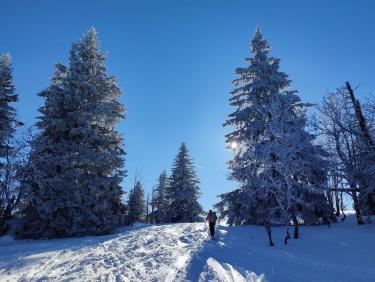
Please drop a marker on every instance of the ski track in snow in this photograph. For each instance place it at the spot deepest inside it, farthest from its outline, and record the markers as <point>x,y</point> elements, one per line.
<point>160,252</point>
<point>182,252</point>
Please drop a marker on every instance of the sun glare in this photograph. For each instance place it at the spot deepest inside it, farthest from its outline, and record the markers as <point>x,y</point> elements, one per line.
<point>233,145</point>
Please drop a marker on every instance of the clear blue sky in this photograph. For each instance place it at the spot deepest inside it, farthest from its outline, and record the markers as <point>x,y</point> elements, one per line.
<point>175,60</point>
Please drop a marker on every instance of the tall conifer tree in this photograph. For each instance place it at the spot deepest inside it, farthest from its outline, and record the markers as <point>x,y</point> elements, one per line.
<point>137,204</point>
<point>159,200</point>
<point>8,122</point>
<point>7,95</point>
<point>279,169</point>
<point>77,159</point>
<point>183,190</point>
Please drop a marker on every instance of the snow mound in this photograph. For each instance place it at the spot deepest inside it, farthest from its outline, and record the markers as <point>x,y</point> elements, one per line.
<point>6,240</point>
<point>215,271</point>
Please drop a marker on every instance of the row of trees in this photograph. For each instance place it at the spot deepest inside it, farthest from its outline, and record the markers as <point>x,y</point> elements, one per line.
<point>173,199</point>
<point>65,178</point>
<point>282,169</point>
<point>347,132</point>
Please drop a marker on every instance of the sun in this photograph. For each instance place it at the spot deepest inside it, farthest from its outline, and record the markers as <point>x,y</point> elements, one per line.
<point>233,145</point>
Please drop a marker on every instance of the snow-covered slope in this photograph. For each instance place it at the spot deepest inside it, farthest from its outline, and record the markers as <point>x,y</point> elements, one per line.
<point>182,252</point>
<point>142,253</point>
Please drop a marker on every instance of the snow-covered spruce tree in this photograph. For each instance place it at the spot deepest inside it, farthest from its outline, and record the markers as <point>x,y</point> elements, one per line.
<point>275,161</point>
<point>8,192</point>
<point>77,159</point>
<point>7,95</point>
<point>234,207</point>
<point>183,190</point>
<point>136,204</point>
<point>159,201</point>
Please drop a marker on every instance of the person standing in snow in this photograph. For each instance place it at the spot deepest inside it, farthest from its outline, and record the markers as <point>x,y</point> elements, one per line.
<point>211,218</point>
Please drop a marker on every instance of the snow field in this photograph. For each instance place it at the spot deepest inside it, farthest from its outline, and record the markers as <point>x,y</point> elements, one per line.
<point>183,252</point>
<point>148,253</point>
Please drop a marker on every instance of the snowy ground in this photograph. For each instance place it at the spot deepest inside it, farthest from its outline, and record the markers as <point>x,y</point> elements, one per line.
<point>181,252</point>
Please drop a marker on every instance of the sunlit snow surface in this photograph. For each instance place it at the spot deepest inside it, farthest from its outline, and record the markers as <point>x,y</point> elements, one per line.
<point>182,252</point>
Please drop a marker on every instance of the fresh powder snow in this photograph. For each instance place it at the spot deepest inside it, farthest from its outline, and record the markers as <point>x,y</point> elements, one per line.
<point>183,252</point>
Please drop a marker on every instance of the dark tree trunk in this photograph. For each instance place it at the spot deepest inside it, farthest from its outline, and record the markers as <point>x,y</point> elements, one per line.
<point>330,198</point>
<point>357,209</point>
<point>336,194</point>
<point>287,237</point>
<point>337,201</point>
<point>361,120</point>
<point>4,218</point>
<point>267,225</point>
<point>296,226</point>
<point>342,207</point>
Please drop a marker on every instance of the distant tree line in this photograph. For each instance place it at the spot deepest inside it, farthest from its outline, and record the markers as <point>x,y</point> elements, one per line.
<point>173,199</point>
